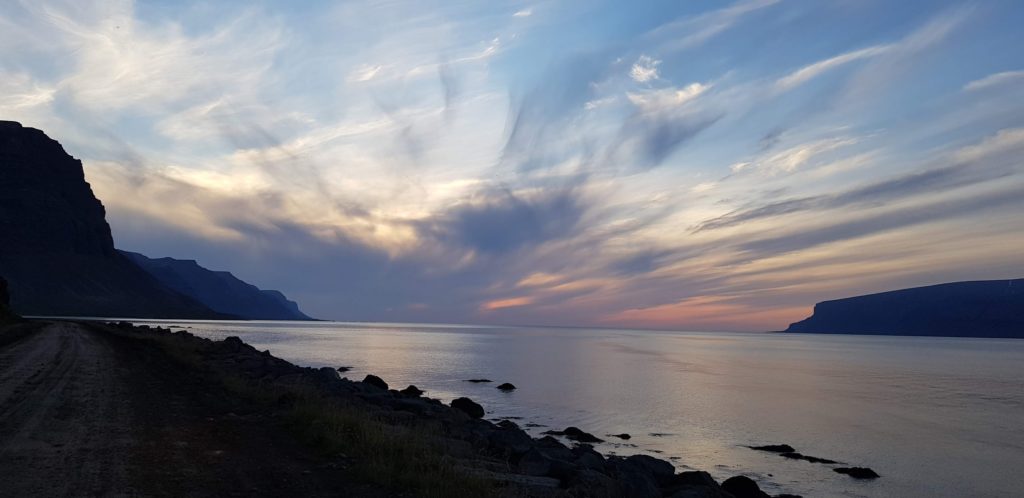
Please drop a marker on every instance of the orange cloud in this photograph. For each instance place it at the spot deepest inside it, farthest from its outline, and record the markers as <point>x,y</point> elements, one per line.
<point>706,313</point>
<point>506,303</point>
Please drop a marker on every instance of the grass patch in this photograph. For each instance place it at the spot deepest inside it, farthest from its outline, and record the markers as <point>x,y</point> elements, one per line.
<point>405,457</point>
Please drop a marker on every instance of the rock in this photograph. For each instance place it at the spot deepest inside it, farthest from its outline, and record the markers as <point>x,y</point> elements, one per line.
<point>534,463</point>
<point>700,492</point>
<point>469,407</point>
<point>858,472</point>
<point>660,469</point>
<point>592,484</point>
<point>590,460</point>
<point>623,436</point>
<point>694,484</point>
<point>375,381</point>
<point>507,387</point>
<point>477,381</point>
<point>637,484</point>
<point>230,344</point>
<point>413,391</point>
<point>774,448</point>
<point>576,434</point>
<point>344,369</point>
<point>5,296</point>
<point>507,424</point>
<point>328,374</point>
<point>798,456</point>
<point>510,441</point>
<point>743,487</point>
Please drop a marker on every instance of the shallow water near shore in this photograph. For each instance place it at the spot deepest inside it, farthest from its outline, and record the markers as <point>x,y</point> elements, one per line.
<point>933,416</point>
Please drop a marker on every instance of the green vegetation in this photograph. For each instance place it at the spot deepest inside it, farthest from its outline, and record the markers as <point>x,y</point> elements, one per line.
<point>403,456</point>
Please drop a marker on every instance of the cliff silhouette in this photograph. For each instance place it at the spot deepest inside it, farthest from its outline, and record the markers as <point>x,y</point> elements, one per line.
<point>990,308</point>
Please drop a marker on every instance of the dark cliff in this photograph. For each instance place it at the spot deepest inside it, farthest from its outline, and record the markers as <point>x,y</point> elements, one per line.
<point>219,290</point>
<point>993,308</point>
<point>56,250</point>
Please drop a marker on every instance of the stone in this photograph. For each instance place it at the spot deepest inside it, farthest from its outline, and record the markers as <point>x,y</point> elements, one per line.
<point>375,381</point>
<point>413,391</point>
<point>468,406</point>
<point>774,448</point>
<point>510,441</point>
<point>858,472</point>
<point>592,484</point>
<point>507,387</point>
<point>743,487</point>
<point>534,463</point>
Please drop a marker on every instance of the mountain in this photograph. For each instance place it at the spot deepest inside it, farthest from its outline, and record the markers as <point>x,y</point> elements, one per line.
<point>56,250</point>
<point>219,290</point>
<point>991,308</point>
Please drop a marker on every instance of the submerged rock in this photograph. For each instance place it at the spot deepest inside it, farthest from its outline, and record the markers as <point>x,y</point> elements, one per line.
<point>507,387</point>
<point>858,472</point>
<point>743,487</point>
<point>344,369</point>
<point>774,448</point>
<point>799,456</point>
<point>478,381</point>
<point>375,381</point>
<point>576,434</point>
<point>623,436</point>
<point>468,406</point>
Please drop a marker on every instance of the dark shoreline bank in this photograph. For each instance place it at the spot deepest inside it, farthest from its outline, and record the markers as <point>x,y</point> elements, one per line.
<point>396,443</point>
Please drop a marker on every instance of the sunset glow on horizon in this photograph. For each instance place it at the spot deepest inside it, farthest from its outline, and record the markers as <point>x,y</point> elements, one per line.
<point>675,165</point>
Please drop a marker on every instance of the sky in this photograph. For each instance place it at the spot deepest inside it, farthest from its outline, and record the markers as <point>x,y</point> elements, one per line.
<point>694,165</point>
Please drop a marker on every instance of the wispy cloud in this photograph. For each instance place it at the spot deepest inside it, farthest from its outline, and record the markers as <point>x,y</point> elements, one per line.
<point>995,80</point>
<point>809,72</point>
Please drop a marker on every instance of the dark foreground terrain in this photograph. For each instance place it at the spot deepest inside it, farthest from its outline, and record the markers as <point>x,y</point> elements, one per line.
<point>90,409</point>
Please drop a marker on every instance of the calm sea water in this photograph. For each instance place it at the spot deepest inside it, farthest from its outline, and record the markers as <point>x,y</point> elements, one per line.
<point>933,416</point>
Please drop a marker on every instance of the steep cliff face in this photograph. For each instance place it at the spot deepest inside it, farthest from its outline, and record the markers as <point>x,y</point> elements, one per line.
<point>993,308</point>
<point>219,290</point>
<point>56,250</point>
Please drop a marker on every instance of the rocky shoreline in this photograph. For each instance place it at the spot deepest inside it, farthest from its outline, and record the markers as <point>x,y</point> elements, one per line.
<point>504,456</point>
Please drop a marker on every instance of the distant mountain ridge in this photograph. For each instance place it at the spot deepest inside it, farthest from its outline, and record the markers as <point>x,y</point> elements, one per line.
<point>219,290</point>
<point>57,253</point>
<point>988,308</point>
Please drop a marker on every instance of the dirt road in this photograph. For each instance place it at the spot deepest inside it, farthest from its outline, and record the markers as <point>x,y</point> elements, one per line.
<point>85,413</point>
<point>63,408</point>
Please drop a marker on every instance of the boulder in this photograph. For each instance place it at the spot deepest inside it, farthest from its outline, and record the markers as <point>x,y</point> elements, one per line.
<point>743,487</point>
<point>534,463</point>
<point>623,436</point>
<point>592,484</point>
<point>344,369</point>
<point>694,484</point>
<point>658,468</point>
<point>375,381</point>
<point>468,406</point>
<point>412,391</point>
<point>510,441</point>
<point>576,434</point>
<point>858,472</point>
<point>326,374</point>
<point>507,424</point>
<point>478,381</point>
<point>507,387</point>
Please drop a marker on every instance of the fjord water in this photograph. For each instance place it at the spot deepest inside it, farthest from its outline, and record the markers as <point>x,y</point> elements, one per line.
<point>933,416</point>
